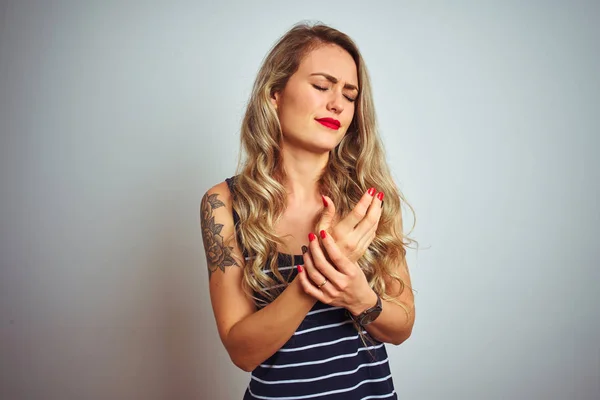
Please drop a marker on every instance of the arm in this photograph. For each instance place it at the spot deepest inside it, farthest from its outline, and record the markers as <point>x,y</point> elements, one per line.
<point>395,323</point>
<point>347,285</point>
<point>249,336</point>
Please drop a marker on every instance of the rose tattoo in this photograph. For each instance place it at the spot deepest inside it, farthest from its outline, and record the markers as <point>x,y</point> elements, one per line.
<point>218,255</point>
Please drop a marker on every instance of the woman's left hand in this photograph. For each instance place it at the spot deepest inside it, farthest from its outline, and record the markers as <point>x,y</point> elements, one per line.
<point>340,282</point>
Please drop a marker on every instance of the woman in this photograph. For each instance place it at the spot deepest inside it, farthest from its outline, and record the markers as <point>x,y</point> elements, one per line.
<point>310,325</point>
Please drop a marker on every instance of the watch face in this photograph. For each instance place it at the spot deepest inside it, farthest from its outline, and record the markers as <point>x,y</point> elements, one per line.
<point>370,317</point>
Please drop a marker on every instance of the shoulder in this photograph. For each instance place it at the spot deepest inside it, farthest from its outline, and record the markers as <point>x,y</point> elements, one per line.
<point>220,194</point>
<point>220,190</point>
<point>216,206</point>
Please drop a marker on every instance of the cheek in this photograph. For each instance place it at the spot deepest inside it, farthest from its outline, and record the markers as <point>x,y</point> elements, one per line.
<point>308,103</point>
<point>349,116</point>
<point>300,108</point>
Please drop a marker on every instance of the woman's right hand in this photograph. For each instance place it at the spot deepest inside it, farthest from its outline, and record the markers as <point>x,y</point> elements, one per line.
<point>355,233</point>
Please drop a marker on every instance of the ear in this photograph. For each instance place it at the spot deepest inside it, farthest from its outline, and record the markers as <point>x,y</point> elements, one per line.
<point>275,99</point>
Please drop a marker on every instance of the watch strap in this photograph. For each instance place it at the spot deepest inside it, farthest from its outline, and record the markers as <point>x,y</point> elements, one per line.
<point>360,317</point>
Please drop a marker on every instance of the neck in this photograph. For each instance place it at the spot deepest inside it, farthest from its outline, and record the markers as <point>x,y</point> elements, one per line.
<point>303,170</point>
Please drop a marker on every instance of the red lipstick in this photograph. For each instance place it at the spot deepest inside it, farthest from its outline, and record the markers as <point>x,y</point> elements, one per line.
<point>330,123</point>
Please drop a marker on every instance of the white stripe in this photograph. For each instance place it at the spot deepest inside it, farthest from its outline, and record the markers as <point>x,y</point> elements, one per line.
<point>383,396</point>
<point>273,287</point>
<point>281,268</point>
<point>318,378</point>
<point>326,360</point>
<point>322,393</point>
<point>322,327</point>
<point>319,344</point>
<point>268,270</point>
<point>324,310</point>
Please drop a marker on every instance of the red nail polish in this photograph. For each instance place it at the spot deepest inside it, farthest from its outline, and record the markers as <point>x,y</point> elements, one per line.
<point>380,196</point>
<point>299,268</point>
<point>371,191</point>
<point>324,201</point>
<point>323,234</point>
<point>311,237</point>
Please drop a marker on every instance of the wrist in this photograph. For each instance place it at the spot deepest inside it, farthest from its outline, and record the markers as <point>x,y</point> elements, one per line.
<point>368,301</point>
<point>304,297</point>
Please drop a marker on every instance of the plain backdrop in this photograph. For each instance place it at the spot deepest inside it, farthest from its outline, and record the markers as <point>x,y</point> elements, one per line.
<point>116,117</point>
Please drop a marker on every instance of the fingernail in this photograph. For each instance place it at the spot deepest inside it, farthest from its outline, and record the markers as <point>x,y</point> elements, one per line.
<point>380,196</point>
<point>304,249</point>
<point>371,191</point>
<point>323,234</point>
<point>311,237</point>
<point>299,268</point>
<point>324,201</point>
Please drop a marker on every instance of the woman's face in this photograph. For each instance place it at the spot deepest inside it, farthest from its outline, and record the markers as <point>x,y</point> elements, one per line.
<point>325,86</point>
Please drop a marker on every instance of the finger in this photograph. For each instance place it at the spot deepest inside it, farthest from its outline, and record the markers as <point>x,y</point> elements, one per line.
<point>342,263</point>
<point>327,218</point>
<point>364,242</point>
<point>320,261</point>
<point>314,274</point>
<point>308,286</point>
<point>358,212</point>
<point>323,285</point>
<point>372,217</point>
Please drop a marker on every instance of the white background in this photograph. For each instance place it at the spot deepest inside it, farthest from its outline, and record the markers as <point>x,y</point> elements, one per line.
<point>116,117</point>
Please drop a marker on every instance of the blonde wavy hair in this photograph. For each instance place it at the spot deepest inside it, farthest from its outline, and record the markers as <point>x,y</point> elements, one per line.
<point>355,165</point>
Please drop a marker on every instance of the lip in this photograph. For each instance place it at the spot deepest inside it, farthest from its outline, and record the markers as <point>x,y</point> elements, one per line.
<point>330,123</point>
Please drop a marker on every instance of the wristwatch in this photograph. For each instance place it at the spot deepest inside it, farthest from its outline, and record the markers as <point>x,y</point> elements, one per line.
<point>369,315</point>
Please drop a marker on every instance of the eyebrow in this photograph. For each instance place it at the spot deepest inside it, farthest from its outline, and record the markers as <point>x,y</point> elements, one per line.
<point>333,79</point>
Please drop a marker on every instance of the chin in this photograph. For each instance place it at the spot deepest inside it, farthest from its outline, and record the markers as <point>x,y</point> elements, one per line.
<point>324,147</point>
<point>317,142</point>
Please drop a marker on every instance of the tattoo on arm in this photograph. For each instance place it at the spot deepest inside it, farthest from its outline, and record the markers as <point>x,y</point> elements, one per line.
<point>218,255</point>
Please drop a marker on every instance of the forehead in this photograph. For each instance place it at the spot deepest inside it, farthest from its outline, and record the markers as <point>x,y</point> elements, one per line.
<point>330,59</point>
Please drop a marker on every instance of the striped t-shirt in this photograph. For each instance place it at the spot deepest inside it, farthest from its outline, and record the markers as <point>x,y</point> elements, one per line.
<point>325,358</point>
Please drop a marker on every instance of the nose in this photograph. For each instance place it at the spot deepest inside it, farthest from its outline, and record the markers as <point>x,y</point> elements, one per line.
<point>336,102</point>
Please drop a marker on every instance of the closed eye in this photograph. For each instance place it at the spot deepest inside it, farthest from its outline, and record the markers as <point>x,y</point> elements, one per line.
<point>322,89</point>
